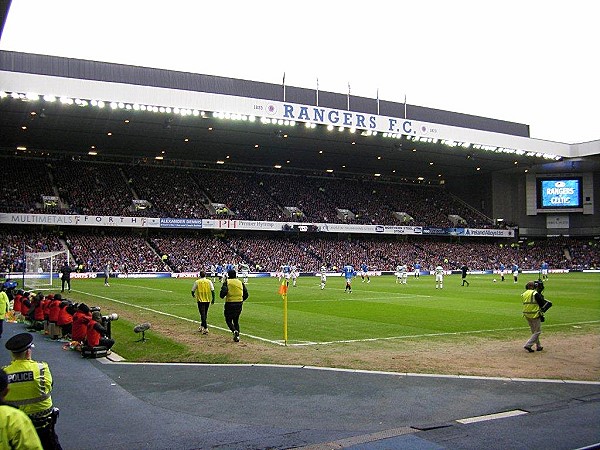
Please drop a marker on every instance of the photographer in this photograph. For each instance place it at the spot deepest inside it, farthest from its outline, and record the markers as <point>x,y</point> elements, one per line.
<point>36,313</point>
<point>97,334</point>
<point>81,317</point>
<point>234,292</point>
<point>53,313</point>
<point>534,306</point>
<point>65,318</point>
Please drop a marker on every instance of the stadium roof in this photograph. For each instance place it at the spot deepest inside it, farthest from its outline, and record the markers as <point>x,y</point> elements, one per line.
<point>162,131</point>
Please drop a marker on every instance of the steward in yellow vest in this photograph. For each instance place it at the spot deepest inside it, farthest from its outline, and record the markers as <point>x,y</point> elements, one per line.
<point>234,292</point>
<point>204,293</point>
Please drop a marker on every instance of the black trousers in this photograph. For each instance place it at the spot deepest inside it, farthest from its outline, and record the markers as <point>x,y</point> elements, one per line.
<point>203,310</point>
<point>232,315</point>
<point>46,432</point>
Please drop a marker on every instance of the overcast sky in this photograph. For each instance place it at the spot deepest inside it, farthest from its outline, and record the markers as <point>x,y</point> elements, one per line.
<point>532,62</point>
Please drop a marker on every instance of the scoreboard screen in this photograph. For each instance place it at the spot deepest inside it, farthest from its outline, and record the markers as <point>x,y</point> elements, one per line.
<point>559,193</point>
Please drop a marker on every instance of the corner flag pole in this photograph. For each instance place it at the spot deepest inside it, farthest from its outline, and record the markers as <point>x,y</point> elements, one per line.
<point>283,292</point>
<point>285,320</point>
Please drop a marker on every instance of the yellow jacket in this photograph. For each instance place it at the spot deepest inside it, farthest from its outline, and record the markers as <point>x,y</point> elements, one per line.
<point>531,309</point>
<point>4,304</point>
<point>30,385</point>
<point>17,431</point>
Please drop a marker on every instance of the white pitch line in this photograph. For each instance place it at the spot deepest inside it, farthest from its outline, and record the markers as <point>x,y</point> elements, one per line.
<point>301,344</point>
<point>177,317</point>
<point>145,287</point>
<point>456,333</point>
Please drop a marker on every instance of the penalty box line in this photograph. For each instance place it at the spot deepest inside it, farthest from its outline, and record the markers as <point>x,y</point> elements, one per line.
<point>163,313</point>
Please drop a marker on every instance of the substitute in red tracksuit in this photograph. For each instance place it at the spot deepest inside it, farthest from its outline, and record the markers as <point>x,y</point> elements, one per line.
<point>96,333</point>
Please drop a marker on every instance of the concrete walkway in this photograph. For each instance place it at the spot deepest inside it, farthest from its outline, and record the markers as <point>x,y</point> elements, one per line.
<point>121,405</point>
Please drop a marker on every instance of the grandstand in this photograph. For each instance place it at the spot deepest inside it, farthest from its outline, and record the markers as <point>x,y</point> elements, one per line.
<point>130,164</point>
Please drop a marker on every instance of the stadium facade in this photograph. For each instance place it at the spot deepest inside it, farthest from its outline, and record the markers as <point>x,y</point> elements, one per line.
<point>490,164</point>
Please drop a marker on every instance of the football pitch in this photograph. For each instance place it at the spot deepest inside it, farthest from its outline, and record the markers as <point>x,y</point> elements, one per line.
<point>379,310</point>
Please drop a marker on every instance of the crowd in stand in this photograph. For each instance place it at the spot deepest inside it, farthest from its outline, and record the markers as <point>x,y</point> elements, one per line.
<point>175,251</point>
<point>121,250</point>
<point>113,189</point>
<point>91,189</point>
<point>242,193</point>
<point>17,240</point>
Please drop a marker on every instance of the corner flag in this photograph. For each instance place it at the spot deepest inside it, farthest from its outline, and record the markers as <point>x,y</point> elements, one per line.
<point>283,289</point>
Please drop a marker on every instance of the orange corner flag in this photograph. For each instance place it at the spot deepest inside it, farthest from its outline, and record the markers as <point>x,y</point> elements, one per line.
<point>284,287</point>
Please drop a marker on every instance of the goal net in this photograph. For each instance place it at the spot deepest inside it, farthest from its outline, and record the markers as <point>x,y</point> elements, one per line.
<point>42,269</point>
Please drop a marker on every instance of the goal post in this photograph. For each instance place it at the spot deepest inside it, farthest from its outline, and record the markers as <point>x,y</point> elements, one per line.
<point>41,268</point>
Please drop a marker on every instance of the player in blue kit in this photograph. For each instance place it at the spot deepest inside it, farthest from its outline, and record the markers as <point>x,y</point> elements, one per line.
<point>364,272</point>
<point>417,268</point>
<point>349,273</point>
<point>544,270</point>
<point>515,273</point>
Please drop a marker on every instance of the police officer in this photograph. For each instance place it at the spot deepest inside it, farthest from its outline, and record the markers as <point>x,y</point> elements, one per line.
<point>234,292</point>
<point>16,429</point>
<point>30,385</point>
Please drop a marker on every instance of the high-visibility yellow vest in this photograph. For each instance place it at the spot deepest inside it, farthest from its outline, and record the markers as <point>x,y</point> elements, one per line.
<point>30,385</point>
<point>16,429</point>
<point>203,290</point>
<point>235,290</point>
<point>531,309</point>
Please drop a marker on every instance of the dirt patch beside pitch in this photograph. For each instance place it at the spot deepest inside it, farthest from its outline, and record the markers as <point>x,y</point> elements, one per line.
<point>566,355</point>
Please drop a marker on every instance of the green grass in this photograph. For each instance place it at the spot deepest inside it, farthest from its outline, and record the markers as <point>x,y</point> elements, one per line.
<point>379,310</point>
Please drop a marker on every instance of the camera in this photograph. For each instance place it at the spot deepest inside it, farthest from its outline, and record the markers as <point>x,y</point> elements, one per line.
<point>110,317</point>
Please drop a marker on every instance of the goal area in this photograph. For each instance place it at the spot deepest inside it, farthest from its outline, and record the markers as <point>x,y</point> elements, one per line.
<point>42,269</point>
